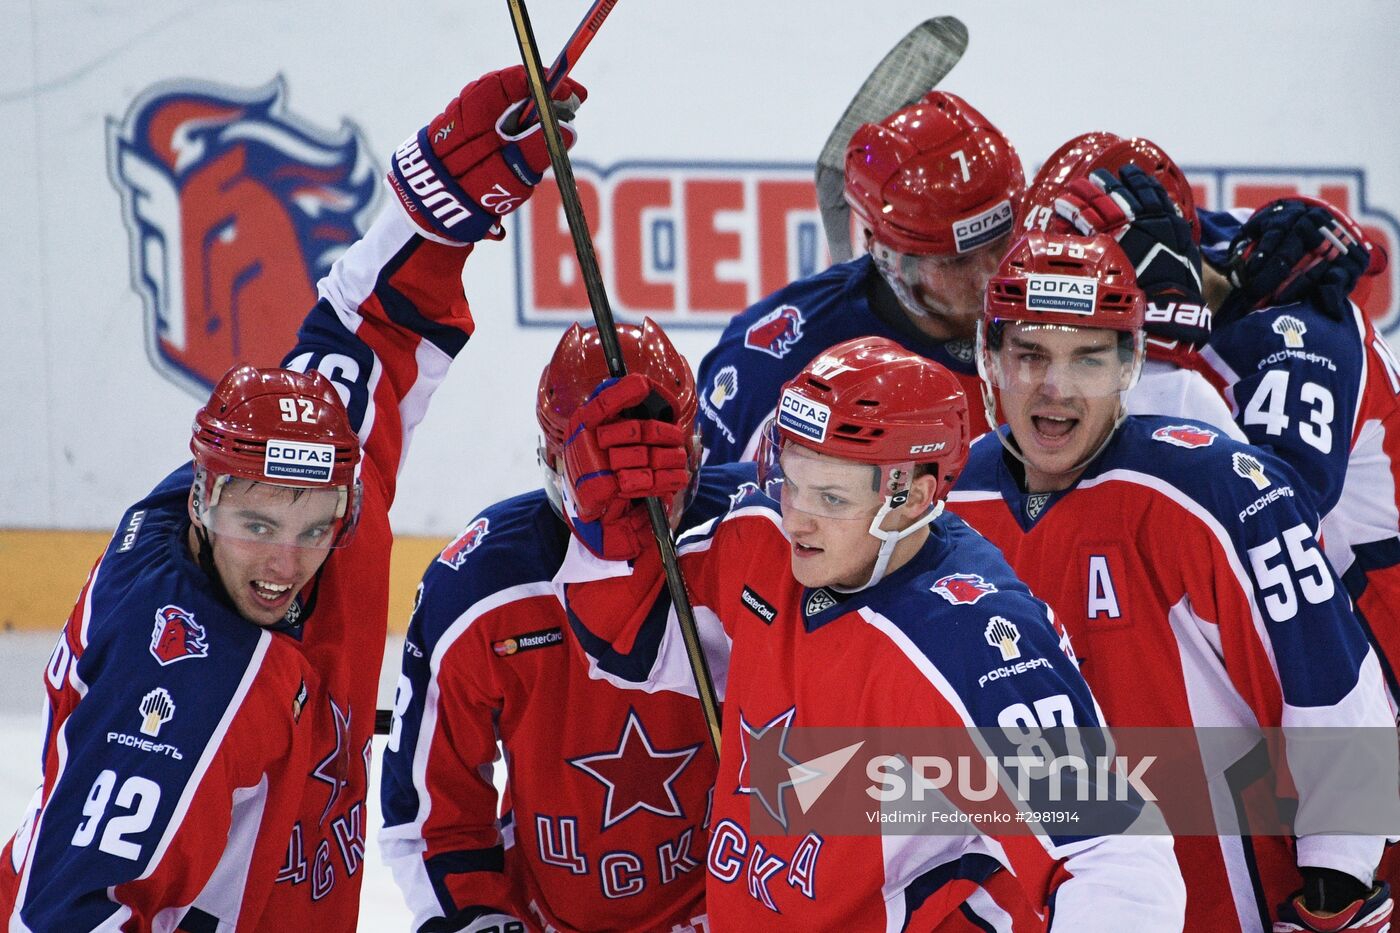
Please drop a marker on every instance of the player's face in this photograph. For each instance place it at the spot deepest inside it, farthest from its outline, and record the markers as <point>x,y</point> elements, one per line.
<point>950,289</point>
<point>269,541</point>
<point>1060,393</point>
<point>828,504</point>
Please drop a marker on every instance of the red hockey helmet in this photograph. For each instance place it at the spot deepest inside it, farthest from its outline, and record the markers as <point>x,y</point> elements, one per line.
<point>1061,278</point>
<point>578,366</point>
<point>1065,281</point>
<point>276,427</point>
<point>1090,152</point>
<point>933,190</point>
<point>869,400</point>
<point>935,177</point>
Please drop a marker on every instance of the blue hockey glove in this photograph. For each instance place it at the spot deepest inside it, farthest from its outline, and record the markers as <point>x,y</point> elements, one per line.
<point>1294,249</point>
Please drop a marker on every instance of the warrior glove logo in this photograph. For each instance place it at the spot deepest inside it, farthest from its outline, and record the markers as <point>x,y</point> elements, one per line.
<point>775,332</point>
<point>235,208</point>
<point>177,636</point>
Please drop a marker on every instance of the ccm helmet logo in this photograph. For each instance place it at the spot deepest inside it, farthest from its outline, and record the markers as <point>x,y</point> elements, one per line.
<point>927,448</point>
<point>803,416</point>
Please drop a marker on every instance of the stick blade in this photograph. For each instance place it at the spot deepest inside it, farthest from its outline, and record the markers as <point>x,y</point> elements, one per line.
<point>915,65</point>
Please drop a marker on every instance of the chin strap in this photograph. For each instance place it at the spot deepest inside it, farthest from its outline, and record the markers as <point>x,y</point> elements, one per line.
<point>889,540</point>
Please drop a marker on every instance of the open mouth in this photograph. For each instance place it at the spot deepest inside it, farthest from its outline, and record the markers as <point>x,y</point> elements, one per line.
<point>272,595</point>
<point>803,550</point>
<point>1053,430</point>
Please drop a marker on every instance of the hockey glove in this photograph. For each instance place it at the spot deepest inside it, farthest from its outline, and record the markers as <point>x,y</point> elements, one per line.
<point>1136,211</point>
<point>1369,912</point>
<point>459,175</point>
<point>1292,249</point>
<point>615,456</point>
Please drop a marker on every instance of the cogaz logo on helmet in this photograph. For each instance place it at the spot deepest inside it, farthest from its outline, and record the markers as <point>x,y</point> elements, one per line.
<point>234,209</point>
<point>688,243</point>
<point>803,416</point>
<point>299,460</point>
<point>981,229</point>
<point>1067,294</point>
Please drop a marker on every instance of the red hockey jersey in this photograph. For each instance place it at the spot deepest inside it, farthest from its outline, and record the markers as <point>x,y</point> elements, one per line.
<point>1185,567</point>
<point>912,651</point>
<point>247,811</point>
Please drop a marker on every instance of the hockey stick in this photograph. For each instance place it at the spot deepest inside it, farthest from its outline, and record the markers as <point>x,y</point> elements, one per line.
<point>612,350</point>
<point>563,64</point>
<point>568,56</point>
<point>907,72</point>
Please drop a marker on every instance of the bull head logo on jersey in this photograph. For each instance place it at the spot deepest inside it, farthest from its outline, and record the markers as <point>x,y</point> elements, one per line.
<point>177,636</point>
<point>455,554</point>
<point>235,209</point>
<point>963,589</point>
<point>775,332</point>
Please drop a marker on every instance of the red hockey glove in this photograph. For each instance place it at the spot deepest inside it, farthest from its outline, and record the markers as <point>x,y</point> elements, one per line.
<point>615,456</point>
<point>463,171</point>
<point>1369,913</point>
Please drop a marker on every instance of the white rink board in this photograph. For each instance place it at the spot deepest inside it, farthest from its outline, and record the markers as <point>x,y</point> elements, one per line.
<point>90,425</point>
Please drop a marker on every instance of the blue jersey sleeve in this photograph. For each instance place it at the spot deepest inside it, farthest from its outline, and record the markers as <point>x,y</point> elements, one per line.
<point>1292,378</point>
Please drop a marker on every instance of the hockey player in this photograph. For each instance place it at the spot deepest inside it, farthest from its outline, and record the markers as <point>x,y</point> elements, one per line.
<point>1210,569</point>
<point>603,824</point>
<point>1157,225</point>
<point>933,190</point>
<point>1307,376</point>
<point>211,699</point>
<point>850,571</point>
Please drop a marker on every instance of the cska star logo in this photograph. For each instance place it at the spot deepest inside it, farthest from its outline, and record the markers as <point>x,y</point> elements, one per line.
<point>637,775</point>
<point>1185,435</point>
<point>963,589</point>
<point>455,554</point>
<point>177,636</point>
<point>775,332</point>
<point>234,208</point>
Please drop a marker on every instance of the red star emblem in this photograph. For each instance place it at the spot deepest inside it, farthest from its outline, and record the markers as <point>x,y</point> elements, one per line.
<point>637,775</point>
<point>767,767</point>
<point>334,769</point>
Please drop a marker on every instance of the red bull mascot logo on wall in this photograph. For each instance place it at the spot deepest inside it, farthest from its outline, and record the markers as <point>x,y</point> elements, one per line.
<point>235,209</point>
